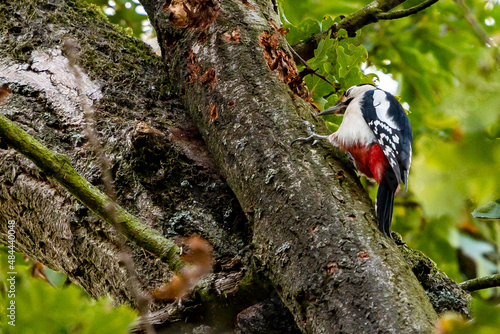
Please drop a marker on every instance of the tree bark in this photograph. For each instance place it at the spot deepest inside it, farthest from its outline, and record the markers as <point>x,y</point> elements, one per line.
<point>294,219</point>
<point>162,170</point>
<point>313,225</point>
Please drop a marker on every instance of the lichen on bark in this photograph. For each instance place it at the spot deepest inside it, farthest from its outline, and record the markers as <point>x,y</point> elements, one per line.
<point>53,228</point>
<point>300,223</point>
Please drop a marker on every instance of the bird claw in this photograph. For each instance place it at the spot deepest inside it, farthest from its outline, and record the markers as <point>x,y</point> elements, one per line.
<point>398,240</point>
<point>313,136</point>
<point>305,139</point>
<point>310,128</point>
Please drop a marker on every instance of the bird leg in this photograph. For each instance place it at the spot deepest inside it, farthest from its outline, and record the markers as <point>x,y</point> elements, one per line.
<point>312,136</point>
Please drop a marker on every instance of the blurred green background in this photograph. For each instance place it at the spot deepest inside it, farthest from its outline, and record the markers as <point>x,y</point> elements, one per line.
<point>444,64</point>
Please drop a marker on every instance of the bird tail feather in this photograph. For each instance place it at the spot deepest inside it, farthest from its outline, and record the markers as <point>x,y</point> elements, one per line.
<point>385,201</point>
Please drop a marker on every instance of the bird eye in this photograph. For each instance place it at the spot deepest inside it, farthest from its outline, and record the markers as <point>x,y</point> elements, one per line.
<point>347,92</point>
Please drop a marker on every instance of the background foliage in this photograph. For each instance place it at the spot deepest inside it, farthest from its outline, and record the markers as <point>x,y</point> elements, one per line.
<point>58,306</point>
<point>445,66</point>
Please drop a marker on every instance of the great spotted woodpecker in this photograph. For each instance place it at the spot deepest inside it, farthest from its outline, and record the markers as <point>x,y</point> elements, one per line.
<point>376,133</point>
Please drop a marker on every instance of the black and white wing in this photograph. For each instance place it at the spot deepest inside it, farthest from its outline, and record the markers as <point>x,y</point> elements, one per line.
<point>388,120</point>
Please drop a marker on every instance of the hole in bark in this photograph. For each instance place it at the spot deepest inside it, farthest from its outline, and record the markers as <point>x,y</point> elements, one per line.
<point>199,14</point>
<point>363,255</point>
<point>15,30</point>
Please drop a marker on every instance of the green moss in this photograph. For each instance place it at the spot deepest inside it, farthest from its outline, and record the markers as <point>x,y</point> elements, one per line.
<point>114,57</point>
<point>59,167</point>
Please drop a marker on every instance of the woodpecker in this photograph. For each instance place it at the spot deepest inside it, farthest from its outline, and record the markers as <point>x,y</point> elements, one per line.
<point>376,132</point>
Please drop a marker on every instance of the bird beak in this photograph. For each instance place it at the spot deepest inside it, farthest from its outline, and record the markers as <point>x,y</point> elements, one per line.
<point>338,109</point>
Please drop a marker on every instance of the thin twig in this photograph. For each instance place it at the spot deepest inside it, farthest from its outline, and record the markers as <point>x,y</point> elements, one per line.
<point>481,283</point>
<point>397,14</point>
<point>371,13</point>
<point>308,68</point>
<point>476,26</point>
<point>374,12</point>
<point>143,299</point>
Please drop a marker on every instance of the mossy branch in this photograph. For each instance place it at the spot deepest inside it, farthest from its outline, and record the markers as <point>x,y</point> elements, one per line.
<point>58,166</point>
<point>481,283</point>
<point>444,293</point>
<point>373,12</point>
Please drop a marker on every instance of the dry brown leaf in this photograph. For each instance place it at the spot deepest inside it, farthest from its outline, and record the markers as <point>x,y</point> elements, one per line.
<point>4,92</point>
<point>199,255</point>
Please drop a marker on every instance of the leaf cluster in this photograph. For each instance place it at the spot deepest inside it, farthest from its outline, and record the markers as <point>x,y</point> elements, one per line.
<point>61,308</point>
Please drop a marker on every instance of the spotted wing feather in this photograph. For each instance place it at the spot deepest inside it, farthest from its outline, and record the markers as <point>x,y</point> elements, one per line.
<point>387,119</point>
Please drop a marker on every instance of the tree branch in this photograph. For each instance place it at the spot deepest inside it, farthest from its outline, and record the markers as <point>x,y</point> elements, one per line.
<point>374,12</point>
<point>474,23</point>
<point>59,167</point>
<point>436,283</point>
<point>316,240</point>
<point>371,13</point>
<point>397,14</point>
<point>481,283</point>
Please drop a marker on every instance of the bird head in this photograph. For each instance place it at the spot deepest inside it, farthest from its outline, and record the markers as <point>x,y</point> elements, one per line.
<point>352,93</point>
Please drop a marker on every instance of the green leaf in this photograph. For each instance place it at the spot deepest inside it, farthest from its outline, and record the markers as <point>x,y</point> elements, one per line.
<point>328,21</point>
<point>305,29</point>
<point>41,308</point>
<point>342,33</point>
<point>488,211</point>
<point>321,52</point>
<point>343,62</point>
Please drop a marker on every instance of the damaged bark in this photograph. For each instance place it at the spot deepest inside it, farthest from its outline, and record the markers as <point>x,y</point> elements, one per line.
<point>316,240</point>
<point>287,222</point>
<point>162,170</point>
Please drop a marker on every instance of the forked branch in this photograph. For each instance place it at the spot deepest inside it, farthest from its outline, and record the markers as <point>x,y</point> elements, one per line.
<point>371,13</point>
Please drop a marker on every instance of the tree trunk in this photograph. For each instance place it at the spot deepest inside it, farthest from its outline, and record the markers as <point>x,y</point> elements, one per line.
<point>313,225</point>
<point>162,170</point>
<point>295,217</point>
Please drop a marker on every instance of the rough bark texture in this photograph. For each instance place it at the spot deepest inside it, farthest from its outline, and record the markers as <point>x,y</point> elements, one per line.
<point>316,240</point>
<point>298,221</point>
<point>163,172</point>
